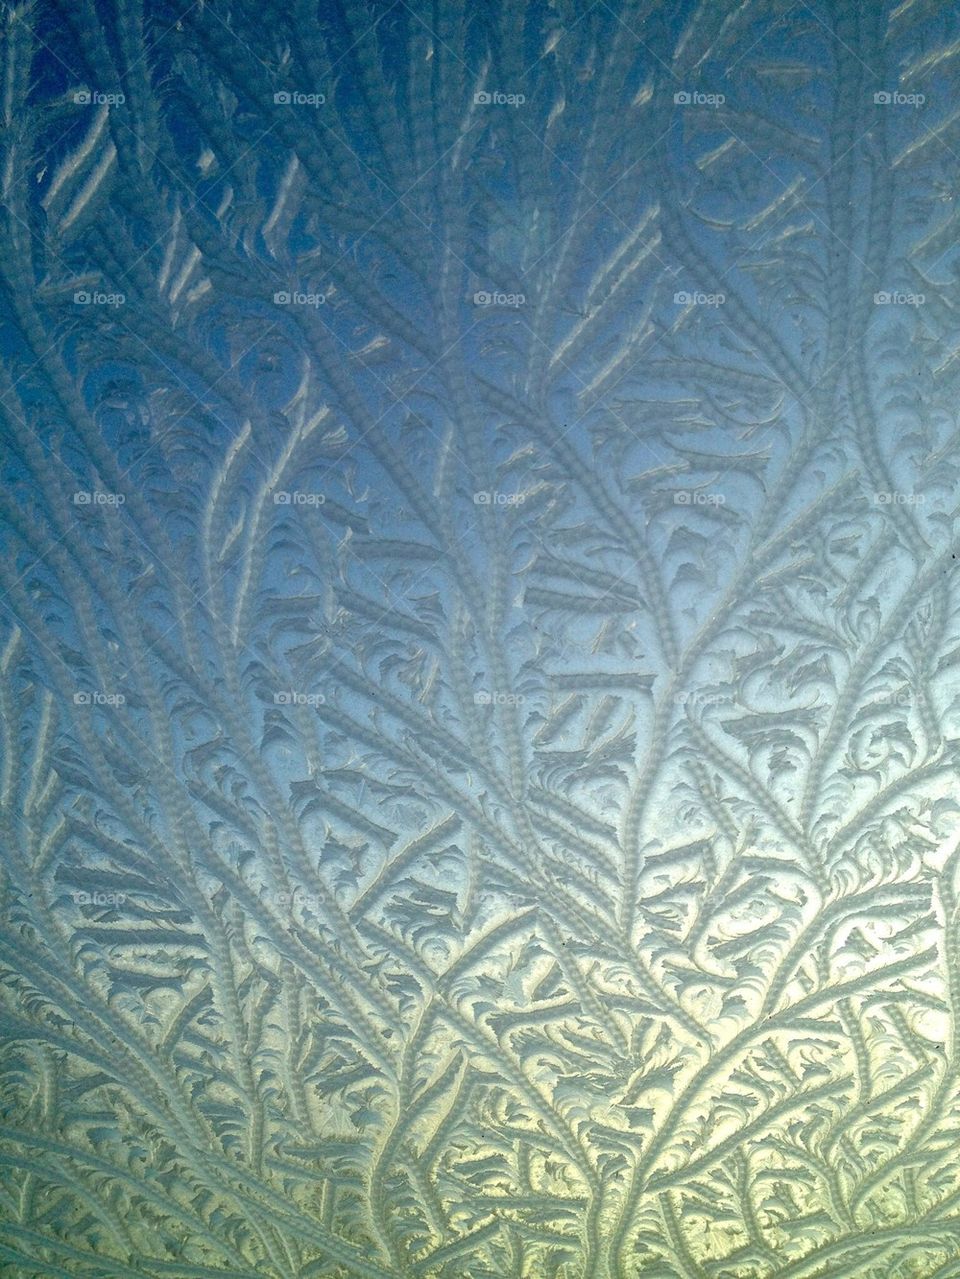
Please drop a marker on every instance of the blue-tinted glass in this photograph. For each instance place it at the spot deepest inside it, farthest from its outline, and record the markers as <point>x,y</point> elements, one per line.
<point>478,640</point>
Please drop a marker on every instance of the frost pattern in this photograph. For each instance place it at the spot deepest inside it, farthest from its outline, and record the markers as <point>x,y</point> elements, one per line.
<point>479,657</point>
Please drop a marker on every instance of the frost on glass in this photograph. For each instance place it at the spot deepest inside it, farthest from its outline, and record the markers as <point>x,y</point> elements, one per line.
<point>479,640</point>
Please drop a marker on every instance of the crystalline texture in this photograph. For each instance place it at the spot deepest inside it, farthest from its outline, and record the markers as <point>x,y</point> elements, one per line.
<point>478,656</point>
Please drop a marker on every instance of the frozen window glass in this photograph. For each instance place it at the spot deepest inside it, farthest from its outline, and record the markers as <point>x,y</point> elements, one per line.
<point>479,640</point>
